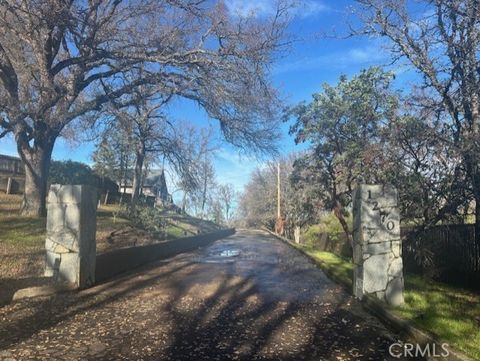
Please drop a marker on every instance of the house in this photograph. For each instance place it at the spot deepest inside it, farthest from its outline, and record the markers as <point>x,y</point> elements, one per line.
<point>154,185</point>
<point>12,174</point>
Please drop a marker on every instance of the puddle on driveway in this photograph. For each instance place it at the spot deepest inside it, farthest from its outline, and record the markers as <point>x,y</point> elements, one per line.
<point>230,253</point>
<point>224,255</point>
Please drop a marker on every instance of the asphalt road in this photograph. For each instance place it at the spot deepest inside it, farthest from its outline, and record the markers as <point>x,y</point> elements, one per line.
<point>245,297</point>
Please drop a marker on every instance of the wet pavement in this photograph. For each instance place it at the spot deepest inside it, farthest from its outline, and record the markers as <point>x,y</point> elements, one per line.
<point>245,297</point>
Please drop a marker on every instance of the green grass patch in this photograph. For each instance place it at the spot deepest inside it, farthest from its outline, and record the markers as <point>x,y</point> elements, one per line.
<point>176,232</point>
<point>449,313</point>
<point>22,231</point>
<point>340,268</point>
<point>109,216</point>
<point>9,204</point>
<point>22,239</point>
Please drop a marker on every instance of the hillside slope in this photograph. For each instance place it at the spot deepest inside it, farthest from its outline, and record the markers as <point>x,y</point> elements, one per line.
<point>22,239</point>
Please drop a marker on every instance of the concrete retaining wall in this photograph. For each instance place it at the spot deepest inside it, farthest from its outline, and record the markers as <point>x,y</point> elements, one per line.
<point>122,260</point>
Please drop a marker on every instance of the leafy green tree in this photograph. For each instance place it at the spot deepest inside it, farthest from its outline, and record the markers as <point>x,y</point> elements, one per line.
<point>441,41</point>
<point>343,125</point>
<point>114,156</point>
<point>70,172</point>
<point>106,160</point>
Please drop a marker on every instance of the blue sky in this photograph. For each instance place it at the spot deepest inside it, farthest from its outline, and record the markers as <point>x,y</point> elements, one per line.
<point>312,60</point>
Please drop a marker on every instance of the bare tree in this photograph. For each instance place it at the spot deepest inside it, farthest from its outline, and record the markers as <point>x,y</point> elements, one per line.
<point>299,201</point>
<point>113,157</point>
<point>199,178</point>
<point>257,204</point>
<point>62,60</point>
<point>441,40</point>
<point>149,133</point>
<point>226,196</point>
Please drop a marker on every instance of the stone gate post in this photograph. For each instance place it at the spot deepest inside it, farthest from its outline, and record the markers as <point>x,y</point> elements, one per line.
<point>71,226</point>
<point>377,248</point>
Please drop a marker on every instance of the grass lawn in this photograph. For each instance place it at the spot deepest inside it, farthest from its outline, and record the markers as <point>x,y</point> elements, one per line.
<point>22,238</point>
<point>449,313</point>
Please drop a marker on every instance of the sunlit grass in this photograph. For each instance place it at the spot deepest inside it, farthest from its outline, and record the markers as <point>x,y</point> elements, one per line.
<point>451,314</point>
<point>108,217</point>
<point>9,204</point>
<point>22,239</point>
<point>22,231</point>
<point>174,231</point>
<point>338,266</point>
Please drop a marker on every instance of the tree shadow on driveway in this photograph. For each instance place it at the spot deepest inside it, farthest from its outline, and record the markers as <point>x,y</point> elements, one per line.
<point>180,309</point>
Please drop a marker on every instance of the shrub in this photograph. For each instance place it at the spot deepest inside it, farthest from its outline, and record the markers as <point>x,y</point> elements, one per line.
<point>331,224</point>
<point>148,218</point>
<point>70,172</point>
<point>312,234</point>
<point>328,224</point>
<point>328,235</point>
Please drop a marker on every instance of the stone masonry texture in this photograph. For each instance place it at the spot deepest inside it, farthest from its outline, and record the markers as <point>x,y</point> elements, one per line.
<point>377,246</point>
<point>71,226</point>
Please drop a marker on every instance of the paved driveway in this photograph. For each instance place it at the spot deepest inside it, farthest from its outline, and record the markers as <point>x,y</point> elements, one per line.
<point>245,297</point>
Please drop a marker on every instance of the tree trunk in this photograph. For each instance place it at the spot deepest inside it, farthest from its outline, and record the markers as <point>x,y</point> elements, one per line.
<point>477,230</point>
<point>473,172</point>
<point>137,174</point>
<point>37,167</point>
<point>227,212</point>
<point>296,234</point>
<point>184,203</point>
<point>205,183</point>
<point>338,211</point>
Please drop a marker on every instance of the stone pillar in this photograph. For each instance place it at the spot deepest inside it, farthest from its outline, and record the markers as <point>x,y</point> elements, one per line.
<point>377,248</point>
<point>71,228</point>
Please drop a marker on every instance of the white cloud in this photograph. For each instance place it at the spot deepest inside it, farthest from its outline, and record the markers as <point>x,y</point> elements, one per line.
<point>311,8</point>
<point>244,8</point>
<point>360,55</point>
<point>367,55</point>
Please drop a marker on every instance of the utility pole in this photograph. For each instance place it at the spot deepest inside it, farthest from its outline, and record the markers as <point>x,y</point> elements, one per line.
<point>279,213</point>
<point>279,222</point>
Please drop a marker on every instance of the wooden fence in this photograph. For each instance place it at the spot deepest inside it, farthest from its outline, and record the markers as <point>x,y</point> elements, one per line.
<point>448,252</point>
